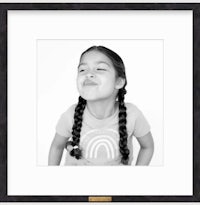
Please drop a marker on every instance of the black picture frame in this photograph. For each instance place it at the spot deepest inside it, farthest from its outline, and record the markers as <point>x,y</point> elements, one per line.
<point>5,7</point>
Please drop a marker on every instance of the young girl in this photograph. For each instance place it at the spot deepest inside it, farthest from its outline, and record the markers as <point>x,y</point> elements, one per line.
<point>98,130</point>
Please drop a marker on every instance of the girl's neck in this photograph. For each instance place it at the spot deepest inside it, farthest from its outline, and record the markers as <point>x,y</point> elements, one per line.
<point>102,109</point>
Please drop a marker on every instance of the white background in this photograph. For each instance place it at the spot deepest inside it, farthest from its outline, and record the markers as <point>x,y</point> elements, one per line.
<point>175,27</point>
<point>57,62</point>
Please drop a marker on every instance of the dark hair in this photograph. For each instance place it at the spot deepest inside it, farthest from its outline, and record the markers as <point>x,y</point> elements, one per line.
<point>76,129</point>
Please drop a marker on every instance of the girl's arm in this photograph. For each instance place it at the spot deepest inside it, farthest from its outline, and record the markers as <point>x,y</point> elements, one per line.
<point>56,149</point>
<point>146,149</point>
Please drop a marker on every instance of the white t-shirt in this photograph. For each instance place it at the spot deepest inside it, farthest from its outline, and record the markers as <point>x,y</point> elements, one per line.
<point>99,139</point>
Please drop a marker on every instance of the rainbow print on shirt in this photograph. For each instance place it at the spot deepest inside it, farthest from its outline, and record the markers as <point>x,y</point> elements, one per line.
<point>100,146</point>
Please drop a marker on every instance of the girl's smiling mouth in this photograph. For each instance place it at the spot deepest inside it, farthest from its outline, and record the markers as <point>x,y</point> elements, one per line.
<point>88,82</point>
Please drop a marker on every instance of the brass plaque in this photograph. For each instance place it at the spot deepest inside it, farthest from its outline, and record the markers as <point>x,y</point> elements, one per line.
<point>99,198</point>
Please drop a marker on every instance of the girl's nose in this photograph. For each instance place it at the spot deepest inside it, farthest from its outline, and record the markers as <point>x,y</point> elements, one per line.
<point>90,74</point>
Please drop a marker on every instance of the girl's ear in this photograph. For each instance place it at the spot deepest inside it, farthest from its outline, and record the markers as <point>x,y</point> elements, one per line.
<point>120,83</point>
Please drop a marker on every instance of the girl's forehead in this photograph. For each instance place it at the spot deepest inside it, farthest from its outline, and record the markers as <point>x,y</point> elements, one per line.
<point>92,56</point>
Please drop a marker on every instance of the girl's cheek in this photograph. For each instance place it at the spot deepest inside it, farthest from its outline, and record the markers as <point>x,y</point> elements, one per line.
<point>79,79</point>
<point>78,83</point>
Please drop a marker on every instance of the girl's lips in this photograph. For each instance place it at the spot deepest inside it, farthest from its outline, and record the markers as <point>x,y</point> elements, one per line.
<point>89,83</point>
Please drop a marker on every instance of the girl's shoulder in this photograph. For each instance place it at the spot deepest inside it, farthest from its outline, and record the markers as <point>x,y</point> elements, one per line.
<point>132,108</point>
<point>65,122</point>
<point>70,111</point>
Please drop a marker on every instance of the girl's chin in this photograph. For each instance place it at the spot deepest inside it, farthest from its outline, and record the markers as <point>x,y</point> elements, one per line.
<point>95,96</point>
<point>88,98</point>
<point>93,99</point>
<point>88,95</point>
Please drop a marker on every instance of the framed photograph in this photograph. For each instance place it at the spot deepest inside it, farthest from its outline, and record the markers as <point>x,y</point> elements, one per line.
<point>44,56</point>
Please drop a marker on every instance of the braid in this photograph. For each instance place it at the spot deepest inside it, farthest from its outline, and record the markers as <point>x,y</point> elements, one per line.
<point>122,127</point>
<point>76,129</point>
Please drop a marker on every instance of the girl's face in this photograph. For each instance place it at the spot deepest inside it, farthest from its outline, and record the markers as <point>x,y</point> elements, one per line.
<point>96,79</point>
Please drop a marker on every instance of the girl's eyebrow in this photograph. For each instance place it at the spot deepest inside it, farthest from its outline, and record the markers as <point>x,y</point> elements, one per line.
<point>82,64</point>
<point>99,62</point>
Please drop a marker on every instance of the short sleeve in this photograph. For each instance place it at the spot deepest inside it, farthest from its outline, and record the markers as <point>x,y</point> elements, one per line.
<point>65,122</point>
<point>142,126</point>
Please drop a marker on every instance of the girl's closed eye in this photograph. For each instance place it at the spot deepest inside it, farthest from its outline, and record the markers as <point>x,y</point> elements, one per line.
<point>80,70</point>
<point>101,69</point>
